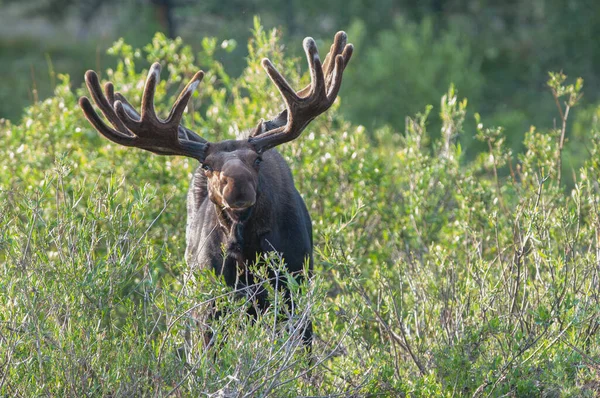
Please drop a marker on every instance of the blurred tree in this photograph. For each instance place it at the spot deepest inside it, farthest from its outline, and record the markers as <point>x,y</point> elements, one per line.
<point>164,13</point>
<point>87,10</point>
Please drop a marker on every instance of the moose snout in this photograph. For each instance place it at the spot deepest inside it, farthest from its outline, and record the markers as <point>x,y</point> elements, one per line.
<point>238,194</point>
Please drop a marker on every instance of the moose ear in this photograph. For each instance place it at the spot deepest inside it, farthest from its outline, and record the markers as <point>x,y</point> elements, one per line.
<point>259,129</point>
<point>264,126</point>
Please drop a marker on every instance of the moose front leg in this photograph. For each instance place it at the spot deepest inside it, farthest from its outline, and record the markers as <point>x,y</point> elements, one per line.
<point>296,265</point>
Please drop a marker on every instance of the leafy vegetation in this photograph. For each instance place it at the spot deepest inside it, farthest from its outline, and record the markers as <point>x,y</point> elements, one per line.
<point>435,275</point>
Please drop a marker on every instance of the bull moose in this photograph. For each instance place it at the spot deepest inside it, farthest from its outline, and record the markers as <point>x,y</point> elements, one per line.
<point>242,196</point>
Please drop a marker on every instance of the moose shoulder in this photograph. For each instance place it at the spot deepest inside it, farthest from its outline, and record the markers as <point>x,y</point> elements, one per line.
<point>242,197</point>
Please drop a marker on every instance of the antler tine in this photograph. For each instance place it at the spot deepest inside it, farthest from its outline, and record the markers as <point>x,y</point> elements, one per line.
<point>130,118</point>
<point>317,78</point>
<point>288,93</point>
<point>129,109</point>
<point>338,45</point>
<point>113,135</point>
<point>182,101</point>
<point>302,107</point>
<point>109,92</point>
<point>149,90</point>
<point>131,123</point>
<point>93,85</point>
<point>336,82</point>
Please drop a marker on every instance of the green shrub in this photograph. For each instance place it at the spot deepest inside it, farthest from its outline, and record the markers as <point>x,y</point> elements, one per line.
<point>434,276</point>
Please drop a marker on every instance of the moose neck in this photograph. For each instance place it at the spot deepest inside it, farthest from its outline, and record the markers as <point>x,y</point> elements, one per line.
<point>233,224</point>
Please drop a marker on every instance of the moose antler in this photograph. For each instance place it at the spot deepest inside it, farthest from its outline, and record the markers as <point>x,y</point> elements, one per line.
<point>303,106</point>
<point>145,131</point>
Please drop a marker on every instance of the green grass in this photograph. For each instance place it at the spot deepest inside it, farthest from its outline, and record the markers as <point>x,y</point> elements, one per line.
<point>434,276</point>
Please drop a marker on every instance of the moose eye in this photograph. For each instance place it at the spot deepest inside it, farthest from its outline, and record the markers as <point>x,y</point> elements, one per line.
<point>258,161</point>
<point>206,167</point>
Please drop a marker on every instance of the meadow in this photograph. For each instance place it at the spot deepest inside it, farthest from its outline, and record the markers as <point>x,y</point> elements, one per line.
<point>437,272</point>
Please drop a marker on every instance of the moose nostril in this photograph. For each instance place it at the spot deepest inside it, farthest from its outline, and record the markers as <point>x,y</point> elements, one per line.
<point>241,203</point>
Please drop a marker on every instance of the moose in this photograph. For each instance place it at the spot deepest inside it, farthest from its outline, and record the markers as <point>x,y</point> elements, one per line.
<point>242,196</point>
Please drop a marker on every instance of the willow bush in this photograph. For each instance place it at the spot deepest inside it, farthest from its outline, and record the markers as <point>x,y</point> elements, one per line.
<point>434,275</point>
